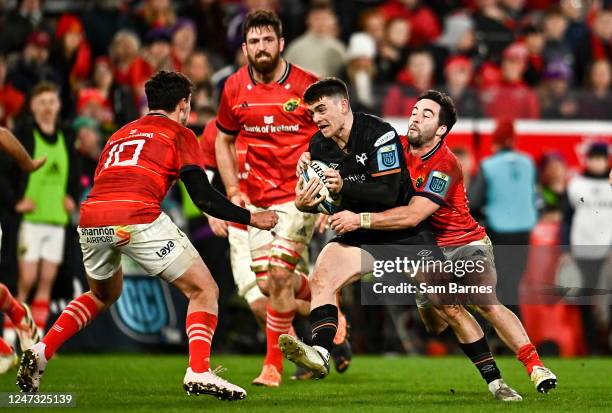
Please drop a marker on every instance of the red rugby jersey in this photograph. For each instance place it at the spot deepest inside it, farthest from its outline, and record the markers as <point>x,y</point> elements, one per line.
<point>437,175</point>
<point>275,126</point>
<point>138,165</point>
<point>207,147</point>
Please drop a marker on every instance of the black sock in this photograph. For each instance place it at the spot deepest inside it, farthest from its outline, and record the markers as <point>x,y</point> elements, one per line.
<point>480,354</point>
<point>324,322</point>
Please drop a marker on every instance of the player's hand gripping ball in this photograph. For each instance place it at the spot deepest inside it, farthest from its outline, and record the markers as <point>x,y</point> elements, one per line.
<point>331,202</point>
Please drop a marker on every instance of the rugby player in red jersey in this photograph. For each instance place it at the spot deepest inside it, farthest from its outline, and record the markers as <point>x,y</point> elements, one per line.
<point>122,215</point>
<point>261,105</point>
<point>438,182</point>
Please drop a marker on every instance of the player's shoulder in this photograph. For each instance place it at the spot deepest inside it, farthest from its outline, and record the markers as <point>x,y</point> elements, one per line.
<point>301,75</point>
<point>374,130</point>
<point>239,77</point>
<point>444,160</point>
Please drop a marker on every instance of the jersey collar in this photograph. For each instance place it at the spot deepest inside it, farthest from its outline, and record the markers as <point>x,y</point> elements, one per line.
<point>432,151</point>
<point>280,81</point>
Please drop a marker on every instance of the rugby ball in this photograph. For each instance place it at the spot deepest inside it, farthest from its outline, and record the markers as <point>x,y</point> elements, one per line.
<point>331,203</point>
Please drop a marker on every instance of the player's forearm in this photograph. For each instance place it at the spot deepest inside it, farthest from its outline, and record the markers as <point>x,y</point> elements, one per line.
<point>395,219</point>
<point>11,145</point>
<point>225,150</point>
<point>209,200</point>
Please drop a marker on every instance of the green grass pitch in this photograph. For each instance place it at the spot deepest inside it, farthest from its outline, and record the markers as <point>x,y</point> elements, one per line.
<point>152,383</point>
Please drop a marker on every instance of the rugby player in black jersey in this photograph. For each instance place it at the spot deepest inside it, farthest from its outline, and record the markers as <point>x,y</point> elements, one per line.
<point>367,168</point>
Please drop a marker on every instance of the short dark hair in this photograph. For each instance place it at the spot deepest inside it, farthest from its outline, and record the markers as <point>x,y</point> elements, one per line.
<point>448,113</point>
<point>43,87</point>
<point>260,19</point>
<point>328,87</point>
<point>166,89</point>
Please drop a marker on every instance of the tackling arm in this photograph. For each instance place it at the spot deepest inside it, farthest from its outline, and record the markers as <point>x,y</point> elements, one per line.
<point>11,145</point>
<point>408,216</point>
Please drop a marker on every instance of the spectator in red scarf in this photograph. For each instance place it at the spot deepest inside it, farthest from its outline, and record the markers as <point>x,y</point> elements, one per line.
<point>424,23</point>
<point>512,98</point>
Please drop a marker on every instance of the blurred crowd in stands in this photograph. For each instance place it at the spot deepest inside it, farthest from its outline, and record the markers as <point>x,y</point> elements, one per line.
<point>538,59</point>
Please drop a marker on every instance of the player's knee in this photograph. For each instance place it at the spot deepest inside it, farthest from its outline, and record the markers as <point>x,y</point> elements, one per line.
<point>452,313</point>
<point>281,276</point>
<point>320,283</point>
<point>489,310</point>
<point>262,284</point>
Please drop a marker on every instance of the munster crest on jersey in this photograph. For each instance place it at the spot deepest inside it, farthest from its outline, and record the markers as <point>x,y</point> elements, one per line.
<point>419,182</point>
<point>291,105</point>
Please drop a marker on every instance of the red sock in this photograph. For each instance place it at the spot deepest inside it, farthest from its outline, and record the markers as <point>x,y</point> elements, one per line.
<point>200,327</point>
<point>40,312</point>
<point>528,355</point>
<point>277,323</point>
<point>5,348</point>
<point>77,314</point>
<point>10,306</point>
<point>304,291</point>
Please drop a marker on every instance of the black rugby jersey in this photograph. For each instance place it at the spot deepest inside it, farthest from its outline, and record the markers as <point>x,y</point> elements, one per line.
<point>373,169</point>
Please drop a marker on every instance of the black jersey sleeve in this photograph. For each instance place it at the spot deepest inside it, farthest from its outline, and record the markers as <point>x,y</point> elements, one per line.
<point>384,164</point>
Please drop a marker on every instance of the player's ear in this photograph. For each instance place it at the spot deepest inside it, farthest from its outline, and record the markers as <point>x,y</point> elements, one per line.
<point>281,44</point>
<point>441,130</point>
<point>244,49</point>
<point>345,105</point>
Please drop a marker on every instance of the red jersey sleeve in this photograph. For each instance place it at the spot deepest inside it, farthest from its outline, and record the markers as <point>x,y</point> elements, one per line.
<point>187,149</point>
<point>207,145</point>
<point>441,181</point>
<point>226,119</point>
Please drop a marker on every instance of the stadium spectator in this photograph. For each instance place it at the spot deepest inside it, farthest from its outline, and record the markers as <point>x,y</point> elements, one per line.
<point>458,36</point>
<point>425,27</point>
<point>589,206</point>
<point>152,14</point>
<point>557,100</point>
<point>89,146</point>
<point>575,12</point>
<point>458,73</point>
<point>48,199</point>
<point>318,50</point>
<point>595,45</point>
<point>360,71</point>
<point>372,22</point>
<point>552,182</point>
<point>26,18</point>
<point>533,40</point>
<point>504,190</point>
<point>106,101</point>
<point>596,101</point>
<point>415,78</point>
<point>33,65</point>
<point>101,20</point>
<point>124,53</point>
<point>197,68</point>
<point>184,38</point>
<point>11,99</point>
<point>511,98</point>
<point>210,22</point>
<point>71,57</point>
<point>493,31</point>
<point>392,51</point>
<point>554,28</point>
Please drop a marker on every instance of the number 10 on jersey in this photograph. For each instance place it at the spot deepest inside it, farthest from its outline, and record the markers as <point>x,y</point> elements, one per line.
<point>114,156</point>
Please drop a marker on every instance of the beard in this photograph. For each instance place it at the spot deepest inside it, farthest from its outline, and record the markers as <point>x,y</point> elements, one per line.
<point>265,67</point>
<point>416,140</point>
